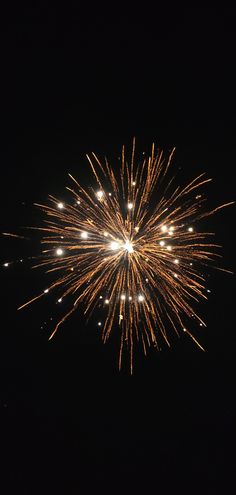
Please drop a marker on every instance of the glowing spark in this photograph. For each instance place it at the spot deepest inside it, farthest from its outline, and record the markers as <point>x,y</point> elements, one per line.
<point>46,291</point>
<point>122,297</point>
<point>168,248</point>
<point>100,194</point>
<point>114,245</point>
<point>130,298</point>
<point>176,261</point>
<point>59,251</point>
<point>162,243</point>
<point>99,323</point>
<point>106,301</point>
<point>129,246</point>
<point>60,206</point>
<point>140,298</point>
<point>164,228</point>
<point>59,300</point>
<point>190,229</point>
<point>130,206</point>
<point>6,264</point>
<point>84,235</point>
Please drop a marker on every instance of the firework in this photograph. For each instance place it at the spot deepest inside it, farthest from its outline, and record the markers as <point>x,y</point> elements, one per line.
<point>130,243</point>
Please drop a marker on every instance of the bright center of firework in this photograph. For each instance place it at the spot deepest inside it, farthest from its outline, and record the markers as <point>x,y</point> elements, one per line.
<point>128,246</point>
<point>114,245</point>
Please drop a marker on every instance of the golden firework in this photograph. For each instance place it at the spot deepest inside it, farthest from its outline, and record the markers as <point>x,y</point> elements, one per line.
<point>130,243</point>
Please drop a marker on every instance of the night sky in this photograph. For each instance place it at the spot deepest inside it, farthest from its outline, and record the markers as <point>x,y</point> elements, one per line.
<point>75,82</point>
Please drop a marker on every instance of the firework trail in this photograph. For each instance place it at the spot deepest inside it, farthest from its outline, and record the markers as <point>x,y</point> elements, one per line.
<point>131,244</point>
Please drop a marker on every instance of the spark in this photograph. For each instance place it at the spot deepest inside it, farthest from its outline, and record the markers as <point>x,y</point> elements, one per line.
<point>100,194</point>
<point>6,264</point>
<point>125,232</point>
<point>59,251</point>
<point>114,245</point>
<point>84,235</point>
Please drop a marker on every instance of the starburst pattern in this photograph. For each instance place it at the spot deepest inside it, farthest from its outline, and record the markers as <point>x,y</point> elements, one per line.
<point>132,244</point>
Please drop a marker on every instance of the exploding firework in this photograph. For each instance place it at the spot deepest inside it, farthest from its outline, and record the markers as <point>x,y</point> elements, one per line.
<point>130,243</point>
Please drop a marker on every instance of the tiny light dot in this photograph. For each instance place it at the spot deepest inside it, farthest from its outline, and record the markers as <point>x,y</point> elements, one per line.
<point>130,206</point>
<point>175,275</point>
<point>162,243</point>
<point>78,202</point>
<point>168,248</point>
<point>46,291</point>
<point>60,206</point>
<point>114,245</point>
<point>59,251</point>
<point>171,229</point>
<point>109,194</point>
<point>84,235</point>
<point>136,229</point>
<point>170,232</point>
<point>59,300</point>
<point>123,297</point>
<point>191,264</point>
<point>72,269</point>
<point>133,183</point>
<point>105,234</point>
<point>100,297</point>
<point>140,298</point>
<point>184,329</point>
<point>6,264</point>
<point>99,323</point>
<point>164,228</point>
<point>130,298</point>
<point>121,317</point>
<point>200,324</point>
<point>100,194</point>
<point>190,229</point>
<point>106,301</point>
<point>146,279</point>
<point>208,290</point>
<point>176,261</point>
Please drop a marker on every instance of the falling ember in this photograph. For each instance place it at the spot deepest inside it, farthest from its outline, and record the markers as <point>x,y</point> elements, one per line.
<point>127,234</point>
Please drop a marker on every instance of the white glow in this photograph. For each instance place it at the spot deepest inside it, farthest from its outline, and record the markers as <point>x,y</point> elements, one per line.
<point>60,206</point>
<point>169,248</point>
<point>136,229</point>
<point>171,229</point>
<point>208,290</point>
<point>84,235</point>
<point>162,243</point>
<point>133,183</point>
<point>99,323</point>
<point>164,228</point>
<point>106,301</point>
<point>105,234</point>
<point>190,229</point>
<point>59,300</point>
<point>78,202</point>
<point>123,297</point>
<point>130,206</point>
<point>121,317</point>
<point>114,245</point>
<point>128,246</point>
<point>100,297</point>
<point>109,194</point>
<point>6,264</point>
<point>175,275</point>
<point>140,298</point>
<point>130,298</point>
<point>176,261</point>
<point>59,251</point>
<point>100,194</point>
<point>46,291</point>
<point>170,232</point>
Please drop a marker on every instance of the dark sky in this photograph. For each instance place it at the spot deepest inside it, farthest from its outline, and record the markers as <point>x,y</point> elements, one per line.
<point>75,82</point>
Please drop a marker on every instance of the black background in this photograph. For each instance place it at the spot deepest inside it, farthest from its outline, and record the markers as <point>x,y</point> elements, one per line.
<point>75,82</point>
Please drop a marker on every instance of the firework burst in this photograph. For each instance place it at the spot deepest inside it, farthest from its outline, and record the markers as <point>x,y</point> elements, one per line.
<point>130,243</point>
